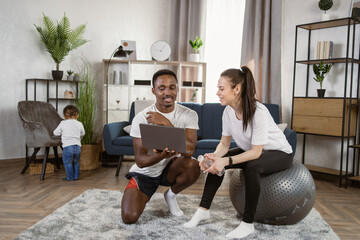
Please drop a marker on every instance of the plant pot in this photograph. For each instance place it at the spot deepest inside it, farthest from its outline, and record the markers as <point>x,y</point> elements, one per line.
<point>194,57</point>
<point>321,93</point>
<point>89,158</point>
<point>69,78</point>
<point>76,78</point>
<point>57,75</point>
<point>325,17</point>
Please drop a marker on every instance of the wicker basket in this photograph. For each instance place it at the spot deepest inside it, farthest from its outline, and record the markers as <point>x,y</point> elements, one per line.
<point>89,158</point>
<point>35,168</point>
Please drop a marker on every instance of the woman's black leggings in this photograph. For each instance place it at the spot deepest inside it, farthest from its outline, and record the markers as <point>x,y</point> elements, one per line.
<point>269,162</point>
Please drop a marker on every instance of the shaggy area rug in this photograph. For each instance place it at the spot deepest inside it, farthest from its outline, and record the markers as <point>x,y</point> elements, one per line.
<point>96,214</point>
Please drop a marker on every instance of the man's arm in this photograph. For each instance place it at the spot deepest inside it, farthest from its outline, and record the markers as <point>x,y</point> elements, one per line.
<point>191,140</point>
<point>143,159</point>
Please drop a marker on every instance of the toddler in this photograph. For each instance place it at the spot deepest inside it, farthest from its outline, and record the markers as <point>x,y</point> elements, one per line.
<point>71,132</point>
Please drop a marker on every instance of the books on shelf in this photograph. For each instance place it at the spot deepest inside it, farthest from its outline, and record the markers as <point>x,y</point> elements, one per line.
<point>323,50</point>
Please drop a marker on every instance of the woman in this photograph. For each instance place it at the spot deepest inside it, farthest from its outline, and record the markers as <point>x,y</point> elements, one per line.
<point>263,148</point>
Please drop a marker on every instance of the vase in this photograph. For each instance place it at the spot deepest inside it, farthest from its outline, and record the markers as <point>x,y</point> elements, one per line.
<point>325,16</point>
<point>321,93</point>
<point>57,75</point>
<point>194,57</point>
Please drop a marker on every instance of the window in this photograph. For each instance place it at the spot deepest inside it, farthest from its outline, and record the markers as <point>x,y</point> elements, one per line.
<point>223,40</point>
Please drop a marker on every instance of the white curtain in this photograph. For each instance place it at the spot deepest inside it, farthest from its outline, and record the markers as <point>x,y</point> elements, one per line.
<point>223,40</point>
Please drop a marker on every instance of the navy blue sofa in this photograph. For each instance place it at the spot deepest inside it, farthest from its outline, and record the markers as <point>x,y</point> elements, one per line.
<point>118,142</point>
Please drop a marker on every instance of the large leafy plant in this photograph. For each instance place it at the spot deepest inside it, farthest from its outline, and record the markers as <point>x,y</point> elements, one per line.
<point>59,39</point>
<point>87,102</point>
<point>320,70</point>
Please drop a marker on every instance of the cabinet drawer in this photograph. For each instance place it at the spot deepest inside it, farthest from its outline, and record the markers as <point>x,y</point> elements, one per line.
<point>318,107</point>
<point>322,116</point>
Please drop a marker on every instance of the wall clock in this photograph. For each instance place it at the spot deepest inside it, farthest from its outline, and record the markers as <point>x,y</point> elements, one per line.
<point>160,50</point>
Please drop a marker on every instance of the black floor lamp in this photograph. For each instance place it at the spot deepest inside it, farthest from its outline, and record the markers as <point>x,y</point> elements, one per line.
<point>118,53</point>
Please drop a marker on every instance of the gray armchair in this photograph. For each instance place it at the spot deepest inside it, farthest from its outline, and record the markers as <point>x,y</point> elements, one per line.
<point>39,121</point>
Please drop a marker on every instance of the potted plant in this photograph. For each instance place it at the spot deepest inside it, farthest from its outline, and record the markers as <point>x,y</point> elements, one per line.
<point>86,102</point>
<point>59,39</point>
<point>325,5</point>
<point>69,72</point>
<point>320,71</point>
<point>76,77</point>
<point>195,45</point>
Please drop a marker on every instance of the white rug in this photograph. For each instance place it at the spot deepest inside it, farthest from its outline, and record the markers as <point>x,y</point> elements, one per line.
<point>96,214</point>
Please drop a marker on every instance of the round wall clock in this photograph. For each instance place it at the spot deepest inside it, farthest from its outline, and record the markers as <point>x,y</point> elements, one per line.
<point>160,50</point>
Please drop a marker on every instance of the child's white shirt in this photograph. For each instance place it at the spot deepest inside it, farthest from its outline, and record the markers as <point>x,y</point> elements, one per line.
<point>71,131</point>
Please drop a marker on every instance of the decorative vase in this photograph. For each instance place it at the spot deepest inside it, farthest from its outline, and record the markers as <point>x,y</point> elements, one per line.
<point>57,75</point>
<point>325,16</point>
<point>76,77</point>
<point>194,57</point>
<point>321,93</point>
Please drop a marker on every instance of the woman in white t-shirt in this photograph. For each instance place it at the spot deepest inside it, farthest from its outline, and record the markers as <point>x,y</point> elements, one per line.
<point>263,148</point>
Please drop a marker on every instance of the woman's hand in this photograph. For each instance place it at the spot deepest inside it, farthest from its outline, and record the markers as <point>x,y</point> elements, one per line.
<point>218,164</point>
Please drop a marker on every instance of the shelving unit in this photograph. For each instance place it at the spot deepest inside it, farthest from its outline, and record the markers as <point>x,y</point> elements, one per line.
<point>330,116</point>
<point>48,83</point>
<point>117,98</point>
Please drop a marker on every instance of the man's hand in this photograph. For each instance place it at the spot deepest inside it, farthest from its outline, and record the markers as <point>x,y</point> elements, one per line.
<point>165,153</point>
<point>158,119</point>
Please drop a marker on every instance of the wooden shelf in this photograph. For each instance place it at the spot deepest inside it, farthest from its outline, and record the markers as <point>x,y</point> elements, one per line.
<point>330,60</point>
<point>354,178</point>
<point>324,170</point>
<point>329,24</point>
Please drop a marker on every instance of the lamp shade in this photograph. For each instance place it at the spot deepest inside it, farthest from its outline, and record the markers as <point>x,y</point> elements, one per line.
<point>120,52</point>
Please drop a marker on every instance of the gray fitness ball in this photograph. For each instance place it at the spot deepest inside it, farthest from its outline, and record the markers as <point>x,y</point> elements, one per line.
<point>286,197</point>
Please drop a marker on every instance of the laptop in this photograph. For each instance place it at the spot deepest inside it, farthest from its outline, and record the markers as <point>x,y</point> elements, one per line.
<point>161,137</point>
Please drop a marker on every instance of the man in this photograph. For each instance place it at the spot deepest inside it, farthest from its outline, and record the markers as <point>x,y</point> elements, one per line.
<point>152,167</point>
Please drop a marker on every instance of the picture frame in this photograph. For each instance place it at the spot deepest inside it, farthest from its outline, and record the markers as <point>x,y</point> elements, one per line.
<point>129,47</point>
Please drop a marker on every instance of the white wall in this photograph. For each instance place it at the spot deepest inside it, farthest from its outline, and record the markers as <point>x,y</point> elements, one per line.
<point>24,56</point>
<point>320,151</point>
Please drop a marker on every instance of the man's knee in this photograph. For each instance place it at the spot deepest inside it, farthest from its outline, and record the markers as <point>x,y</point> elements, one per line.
<point>192,167</point>
<point>129,217</point>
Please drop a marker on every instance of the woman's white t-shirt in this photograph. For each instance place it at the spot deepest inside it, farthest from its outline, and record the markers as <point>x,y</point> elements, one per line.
<point>262,131</point>
<point>181,117</point>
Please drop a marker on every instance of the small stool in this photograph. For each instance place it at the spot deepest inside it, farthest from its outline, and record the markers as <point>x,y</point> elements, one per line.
<point>286,197</point>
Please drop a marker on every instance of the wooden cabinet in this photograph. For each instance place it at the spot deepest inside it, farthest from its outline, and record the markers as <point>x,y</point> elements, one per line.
<point>329,116</point>
<point>125,81</point>
<point>323,116</point>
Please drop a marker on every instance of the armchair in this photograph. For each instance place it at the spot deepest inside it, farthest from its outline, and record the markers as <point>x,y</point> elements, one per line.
<point>39,121</point>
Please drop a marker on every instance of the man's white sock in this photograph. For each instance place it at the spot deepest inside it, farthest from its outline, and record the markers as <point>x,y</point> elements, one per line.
<point>170,199</point>
<point>200,215</point>
<point>243,230</point>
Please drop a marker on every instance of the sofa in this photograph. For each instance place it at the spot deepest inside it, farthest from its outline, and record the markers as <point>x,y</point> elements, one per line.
<point>118,142</point>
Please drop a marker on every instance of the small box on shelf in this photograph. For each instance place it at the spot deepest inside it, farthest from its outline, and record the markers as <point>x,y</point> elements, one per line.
<point>142,82</point>
<point>197,84</point>
<point>187,83</point>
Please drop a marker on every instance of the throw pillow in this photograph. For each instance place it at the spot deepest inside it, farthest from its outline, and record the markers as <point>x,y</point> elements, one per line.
<point>282,126</point>
<point>127,129</point>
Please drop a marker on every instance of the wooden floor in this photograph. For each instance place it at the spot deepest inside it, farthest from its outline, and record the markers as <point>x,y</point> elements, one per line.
<point>24,199</point>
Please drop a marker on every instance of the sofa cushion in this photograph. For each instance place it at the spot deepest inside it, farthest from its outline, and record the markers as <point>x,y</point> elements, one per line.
<point>123,141</point>
<point>274,111</point>
<point>211,144</point>
<point>211,120</point>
